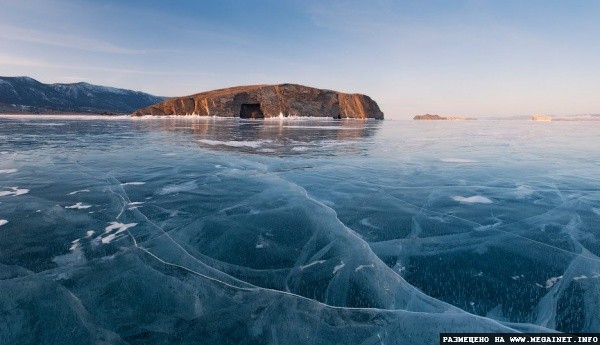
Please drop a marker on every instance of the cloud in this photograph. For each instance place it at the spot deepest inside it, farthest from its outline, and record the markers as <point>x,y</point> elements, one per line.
<point>13,60</point>
<point>15,33</point>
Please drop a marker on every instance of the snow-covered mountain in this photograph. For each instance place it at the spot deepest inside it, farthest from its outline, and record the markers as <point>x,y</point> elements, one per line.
<point>27,95</point>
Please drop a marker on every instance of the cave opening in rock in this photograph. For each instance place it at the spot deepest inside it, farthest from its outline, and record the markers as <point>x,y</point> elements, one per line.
<point>251,111</point>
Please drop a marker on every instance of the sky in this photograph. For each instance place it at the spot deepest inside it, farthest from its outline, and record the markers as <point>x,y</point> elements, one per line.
<point>470,58</point>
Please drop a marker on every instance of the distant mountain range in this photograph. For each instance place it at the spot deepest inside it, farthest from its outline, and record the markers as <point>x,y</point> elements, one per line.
<point>26,95</point>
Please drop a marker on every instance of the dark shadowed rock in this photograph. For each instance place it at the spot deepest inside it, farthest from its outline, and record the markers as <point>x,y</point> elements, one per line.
<point>263,101</point>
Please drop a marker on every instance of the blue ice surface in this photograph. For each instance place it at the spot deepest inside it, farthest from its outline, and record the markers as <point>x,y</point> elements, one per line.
<point>297,231</point>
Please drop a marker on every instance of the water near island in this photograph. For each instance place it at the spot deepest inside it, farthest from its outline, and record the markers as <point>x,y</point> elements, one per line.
<point>224,231</point>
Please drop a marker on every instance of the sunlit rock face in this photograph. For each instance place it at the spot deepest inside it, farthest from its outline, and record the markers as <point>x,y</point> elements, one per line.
<point>264,101</point>
<point>541,118</point>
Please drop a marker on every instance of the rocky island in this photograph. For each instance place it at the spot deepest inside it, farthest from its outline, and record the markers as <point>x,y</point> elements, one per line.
<point>437,117</point>
<point>541,118</point>
<point>264,101</point>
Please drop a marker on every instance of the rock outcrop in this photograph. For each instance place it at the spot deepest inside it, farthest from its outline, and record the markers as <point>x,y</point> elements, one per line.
<point>263,101</point>
<point>541,118</point>
<point>437,117</point>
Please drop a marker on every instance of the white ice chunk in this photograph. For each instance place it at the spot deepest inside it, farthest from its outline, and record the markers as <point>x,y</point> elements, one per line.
<point>79,191</point>
<point>136,203</point>
<point>339,267</point>
<point>365,222</point>
<point>79,206</point>
<point>108,239</point>
<point>133,183</point>
<point>360,267</point>
<point>177,188</point>
<point>318,262</point>
<point>551,281</point>
<point>3,222</point>
<point>457,160</point>
<point>261,243</point>
<point>8,171</point>
<point>15,191</point>
<point>119,227</point>
<point>475,199</point>
<point>242,143</point>
<point>74,257</point>
<point>74,245</point>
<point>523,191</point>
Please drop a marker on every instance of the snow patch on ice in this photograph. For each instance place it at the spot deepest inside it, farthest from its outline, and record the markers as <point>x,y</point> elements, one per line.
<point>551,281</point>
<point>79,191</point>
<point>328,202</point>
<point>15,191</point>
<point>74,245</point>
<point>74,257</point>
<point>242,143</point>
<point>8,171</point>
<point>365,222</point>
<point>134,205</point>
<point>176,188</point>
<point>476,199</point>
<point>360,267</point>
<point>523,191</point>
<point>110,229</point>
<point>489,226</point>
<point>261,243</point>
<point>339,267</point>
<point>3,222</point>
<point>318,262</point>
<point>133,183</point>
<point>89,233</point>
<point>457,160</point>
<point>79,206</point>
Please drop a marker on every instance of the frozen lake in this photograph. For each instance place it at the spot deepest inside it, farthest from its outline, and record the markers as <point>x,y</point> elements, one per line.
<point>228,231</point>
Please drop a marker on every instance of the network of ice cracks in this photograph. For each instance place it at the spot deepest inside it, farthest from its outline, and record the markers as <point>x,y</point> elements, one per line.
<point>271,262</point>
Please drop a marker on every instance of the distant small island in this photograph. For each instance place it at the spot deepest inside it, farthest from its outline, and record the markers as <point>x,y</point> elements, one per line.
<point>430,117</point>
<point>541,118</point>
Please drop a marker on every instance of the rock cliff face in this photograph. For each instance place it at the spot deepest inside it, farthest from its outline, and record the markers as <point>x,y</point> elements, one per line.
<point>262,101</point>
<point>542,118</point>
